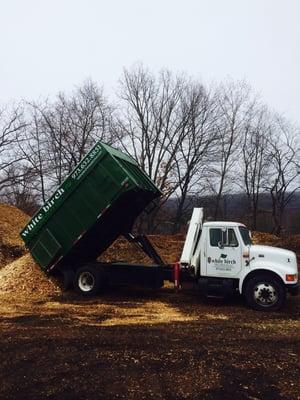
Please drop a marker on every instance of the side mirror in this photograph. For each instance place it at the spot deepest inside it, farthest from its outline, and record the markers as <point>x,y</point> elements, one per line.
<point>220,245</point>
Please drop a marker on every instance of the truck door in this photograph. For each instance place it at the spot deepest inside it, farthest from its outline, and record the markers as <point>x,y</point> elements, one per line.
<point>223,255</point>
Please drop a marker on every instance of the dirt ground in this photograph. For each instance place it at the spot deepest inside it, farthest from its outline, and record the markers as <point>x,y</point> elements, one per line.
<point>138,344</point>
<point>134,344</point>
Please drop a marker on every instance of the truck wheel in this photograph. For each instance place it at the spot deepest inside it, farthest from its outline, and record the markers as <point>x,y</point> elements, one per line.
<point>88,280</point>
<point>265,293</point>
<point>68,278</point>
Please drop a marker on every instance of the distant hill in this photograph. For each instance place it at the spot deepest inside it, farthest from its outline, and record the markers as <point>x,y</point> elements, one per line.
<point>235,207</point>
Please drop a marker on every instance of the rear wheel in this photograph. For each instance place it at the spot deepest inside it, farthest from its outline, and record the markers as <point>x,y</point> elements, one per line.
<point>265,293</point>
<point>65,277</point>
<point>88,280</point>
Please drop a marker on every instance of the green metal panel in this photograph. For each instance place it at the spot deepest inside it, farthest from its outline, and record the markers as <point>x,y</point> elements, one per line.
<point>74,223</point>
<point>46,248</point>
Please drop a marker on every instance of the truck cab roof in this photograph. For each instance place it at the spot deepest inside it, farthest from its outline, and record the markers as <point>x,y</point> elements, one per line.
<point>212,224</point>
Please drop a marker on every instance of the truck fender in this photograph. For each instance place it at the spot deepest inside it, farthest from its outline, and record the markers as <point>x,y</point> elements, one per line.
<point>255,271</point>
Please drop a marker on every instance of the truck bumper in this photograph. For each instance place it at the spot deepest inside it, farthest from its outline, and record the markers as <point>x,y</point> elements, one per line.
<point>293,289</point>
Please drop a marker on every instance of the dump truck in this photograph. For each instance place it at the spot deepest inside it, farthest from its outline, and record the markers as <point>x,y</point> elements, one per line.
<point>101,199</point>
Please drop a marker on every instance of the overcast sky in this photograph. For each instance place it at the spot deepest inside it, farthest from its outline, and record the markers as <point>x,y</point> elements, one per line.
<point>53,45</point>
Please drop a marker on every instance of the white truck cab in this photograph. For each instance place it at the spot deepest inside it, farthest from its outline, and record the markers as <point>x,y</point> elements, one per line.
<point>223,259</point>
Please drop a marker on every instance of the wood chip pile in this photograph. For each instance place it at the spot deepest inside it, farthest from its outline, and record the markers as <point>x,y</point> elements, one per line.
<point>265,238</point>
<point>24,277</point>
<point>12,220</point>
<point>169,247</point>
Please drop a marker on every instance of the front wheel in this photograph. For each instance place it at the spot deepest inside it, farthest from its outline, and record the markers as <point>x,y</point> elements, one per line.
<point>265,293</point>
<point>88,280</point>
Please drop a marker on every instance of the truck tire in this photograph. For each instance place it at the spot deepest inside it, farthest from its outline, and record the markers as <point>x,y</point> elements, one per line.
<point>88,280</point>
<point>68,278</point>
<point>265,292</point>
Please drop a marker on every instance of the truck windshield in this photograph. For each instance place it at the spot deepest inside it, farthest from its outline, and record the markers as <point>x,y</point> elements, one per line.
<point>245,235</point>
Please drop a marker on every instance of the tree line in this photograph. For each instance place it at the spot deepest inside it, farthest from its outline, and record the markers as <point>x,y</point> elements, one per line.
<point>192,140</point>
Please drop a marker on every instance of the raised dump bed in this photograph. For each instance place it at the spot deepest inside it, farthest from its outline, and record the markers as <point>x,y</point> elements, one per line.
<point>97,202</point>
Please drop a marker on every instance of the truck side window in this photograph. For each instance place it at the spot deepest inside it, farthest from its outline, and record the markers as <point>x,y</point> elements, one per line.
<point>227,237</point>
<point>232,240</point>
<point>215,236</point>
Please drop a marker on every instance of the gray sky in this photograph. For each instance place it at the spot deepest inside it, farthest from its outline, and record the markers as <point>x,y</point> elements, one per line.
<point>53,45</point>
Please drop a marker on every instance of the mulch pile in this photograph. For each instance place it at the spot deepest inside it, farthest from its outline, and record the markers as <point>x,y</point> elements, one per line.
<point>12,220</point>
<point>20,274</point>
<point>265,238</point>
<point>169,247</point>
<point>24,277</point>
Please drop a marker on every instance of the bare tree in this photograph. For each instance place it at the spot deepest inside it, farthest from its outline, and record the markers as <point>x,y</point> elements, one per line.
<point>284,177</point>
<point>12,126</point>
<point>74,123</point>
<point>63,131</point>
<point>254,162</point>
<point>233,99</point>
<point>154,123</point>
<point>20,193</point>
<point>197,147</point>
<point>33,146</point>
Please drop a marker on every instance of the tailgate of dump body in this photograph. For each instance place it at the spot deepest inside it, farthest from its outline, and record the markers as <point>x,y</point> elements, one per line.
<point>96,203</point>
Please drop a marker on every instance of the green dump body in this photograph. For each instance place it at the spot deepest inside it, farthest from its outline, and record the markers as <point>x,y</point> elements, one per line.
<point>97,202</point>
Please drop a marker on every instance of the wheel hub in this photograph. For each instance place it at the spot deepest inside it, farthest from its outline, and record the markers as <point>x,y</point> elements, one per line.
<point>86,281</point>
<point>265,294</point>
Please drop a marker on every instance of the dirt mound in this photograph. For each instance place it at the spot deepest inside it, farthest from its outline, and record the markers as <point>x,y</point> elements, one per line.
<point>24,277</point>
<point>11,245</point>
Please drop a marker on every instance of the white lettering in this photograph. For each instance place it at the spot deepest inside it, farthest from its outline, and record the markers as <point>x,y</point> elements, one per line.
<point>46,207</point>
<point>56,196</point>
<point>86,162</point>
<point>25,233</point>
